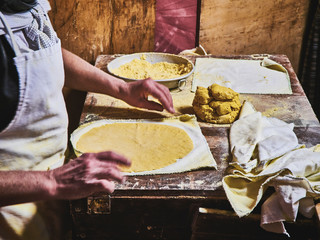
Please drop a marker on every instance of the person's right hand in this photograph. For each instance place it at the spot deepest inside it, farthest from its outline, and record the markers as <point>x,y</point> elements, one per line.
<point>136,94</point>
<point>90,173</point>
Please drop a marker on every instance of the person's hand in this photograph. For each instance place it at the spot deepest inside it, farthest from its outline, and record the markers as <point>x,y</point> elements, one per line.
<point>90,173</point>
<point>136,94</point>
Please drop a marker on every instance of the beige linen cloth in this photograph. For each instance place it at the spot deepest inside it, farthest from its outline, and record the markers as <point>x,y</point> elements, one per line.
<point>266,154</point>
<point>261,76</point>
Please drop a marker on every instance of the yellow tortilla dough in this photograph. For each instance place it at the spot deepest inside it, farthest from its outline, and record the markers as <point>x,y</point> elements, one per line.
<point>149,146</point>
<point>142,69</point>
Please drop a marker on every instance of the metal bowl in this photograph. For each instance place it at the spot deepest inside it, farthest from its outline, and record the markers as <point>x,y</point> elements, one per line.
<point>153,57</point>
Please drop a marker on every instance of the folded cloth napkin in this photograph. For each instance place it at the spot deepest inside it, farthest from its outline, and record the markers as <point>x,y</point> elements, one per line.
<point>266,154</point>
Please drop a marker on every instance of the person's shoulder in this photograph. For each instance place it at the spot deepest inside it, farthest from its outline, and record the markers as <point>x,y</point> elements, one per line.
<point>45,4</point>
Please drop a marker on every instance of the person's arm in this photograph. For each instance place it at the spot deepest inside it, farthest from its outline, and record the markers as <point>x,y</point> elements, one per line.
<point>81,177</point>
<point>83,76</point>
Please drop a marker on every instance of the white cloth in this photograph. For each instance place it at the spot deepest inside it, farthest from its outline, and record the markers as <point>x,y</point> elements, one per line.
<point>243,76</point>
<point>256,139</point>
<point>36,139</point>
<point>21,20</point>
<point>40,30</point>
<point>266,154</point>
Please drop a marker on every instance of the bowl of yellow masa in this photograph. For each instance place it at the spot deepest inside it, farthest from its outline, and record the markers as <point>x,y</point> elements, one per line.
<point>168,69</point>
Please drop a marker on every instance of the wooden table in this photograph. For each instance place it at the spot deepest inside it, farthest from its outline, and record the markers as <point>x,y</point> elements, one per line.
<point>192,204</point>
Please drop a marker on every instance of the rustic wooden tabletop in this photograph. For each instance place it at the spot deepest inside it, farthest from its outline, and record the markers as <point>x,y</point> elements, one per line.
<point>292,108</point>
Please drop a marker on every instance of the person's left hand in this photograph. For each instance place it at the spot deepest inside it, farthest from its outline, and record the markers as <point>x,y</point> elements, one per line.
<point>87,174</point>
<point>136,94</point>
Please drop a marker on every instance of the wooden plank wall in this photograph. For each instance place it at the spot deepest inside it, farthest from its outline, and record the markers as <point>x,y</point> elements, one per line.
<point>93,27</point>
<point>251,26</point>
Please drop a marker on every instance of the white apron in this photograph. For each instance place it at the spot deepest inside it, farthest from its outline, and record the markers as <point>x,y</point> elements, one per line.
<point>36,139</point>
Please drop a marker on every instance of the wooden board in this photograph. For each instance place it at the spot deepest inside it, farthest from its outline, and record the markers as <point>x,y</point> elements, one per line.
<point>89,28</point>
<point>213,224</point>
<point>250,26</point>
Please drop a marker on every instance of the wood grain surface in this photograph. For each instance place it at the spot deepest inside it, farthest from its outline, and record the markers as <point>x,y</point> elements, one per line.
<point>89,28</point>
<point>250,26</point>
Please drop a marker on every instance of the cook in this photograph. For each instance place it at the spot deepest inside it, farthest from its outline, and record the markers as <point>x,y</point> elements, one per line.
<point>33,137</point>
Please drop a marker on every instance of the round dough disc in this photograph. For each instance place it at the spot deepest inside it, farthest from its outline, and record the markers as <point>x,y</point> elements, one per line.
<point>149,146</point>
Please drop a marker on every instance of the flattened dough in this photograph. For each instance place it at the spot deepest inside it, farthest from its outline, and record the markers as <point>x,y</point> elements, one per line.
<point>149,146</point>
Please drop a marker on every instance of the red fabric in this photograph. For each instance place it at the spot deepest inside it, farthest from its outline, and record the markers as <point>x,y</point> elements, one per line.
<point>175,28</point>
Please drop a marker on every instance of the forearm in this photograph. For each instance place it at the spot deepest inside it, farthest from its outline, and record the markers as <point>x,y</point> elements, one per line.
<point>81,177</point>
<point>81,75</point>
<point>24,186</point>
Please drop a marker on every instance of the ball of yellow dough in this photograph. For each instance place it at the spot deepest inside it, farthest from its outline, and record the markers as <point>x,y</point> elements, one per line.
<point>216,104</point>
<point>221,93</point>
<point>202,95</point>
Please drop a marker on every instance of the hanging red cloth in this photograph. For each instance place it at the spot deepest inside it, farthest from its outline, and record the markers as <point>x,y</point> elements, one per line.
<point>176,22</point>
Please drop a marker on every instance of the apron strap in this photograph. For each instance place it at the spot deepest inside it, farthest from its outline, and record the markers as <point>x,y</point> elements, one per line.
<point>9,31</point>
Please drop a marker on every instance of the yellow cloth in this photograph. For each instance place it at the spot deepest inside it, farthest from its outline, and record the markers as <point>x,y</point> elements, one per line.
<point>266,154</point>
<point>200,155</point>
